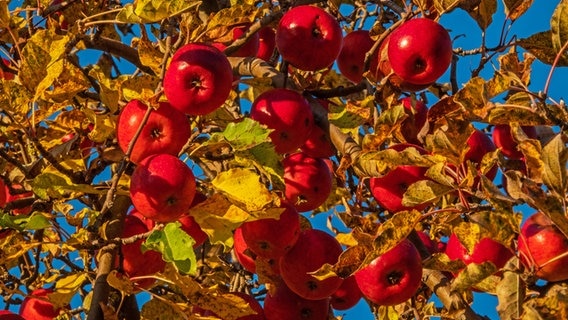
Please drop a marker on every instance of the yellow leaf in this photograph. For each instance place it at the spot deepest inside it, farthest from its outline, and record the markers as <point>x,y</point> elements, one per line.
<point>150,56</point>
<point>395,229</point>
<point>472,275</point>
<point>540,44</point>
<point>483,13</point>
<point>554,158</point>
<point>142,88</point>
<point>160,309</point>
<point>559,26</point>
<point>226,306</point>
<point>109,92</point>
<point>67,287</point>
<point>148,11</point>
<point>516,8</point>
<point>244,187</point>
<point>120,282</point>
<point>4,14</point>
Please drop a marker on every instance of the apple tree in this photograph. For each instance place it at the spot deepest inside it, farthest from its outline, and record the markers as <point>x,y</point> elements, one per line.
<point>169,159</point>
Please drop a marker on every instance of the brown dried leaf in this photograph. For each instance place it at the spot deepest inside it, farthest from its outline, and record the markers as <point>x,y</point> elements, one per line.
<point>540,45</point>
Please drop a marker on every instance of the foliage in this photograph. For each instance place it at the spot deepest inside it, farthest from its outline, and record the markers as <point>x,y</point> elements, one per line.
<point>79,192</point>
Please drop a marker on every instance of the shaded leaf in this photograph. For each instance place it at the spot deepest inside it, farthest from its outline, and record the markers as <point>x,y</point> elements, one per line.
<point>483,13</point>
<point>56,185</point>
<point>150,55</point>
<point>443,6</point>
<point>175,245</point>
<point>350,261</point>
<point>540,44</point>
<point>555,159</point>
<point>441,262</point>
<point>394,230</point>
<point>511,291</point>
<point>160,309</point>
<point>471,275</point>
<point>516,8</point>
<point>226,306</point>
<point>379,163</point>
<point>120,282</point>
<point>34,221</point>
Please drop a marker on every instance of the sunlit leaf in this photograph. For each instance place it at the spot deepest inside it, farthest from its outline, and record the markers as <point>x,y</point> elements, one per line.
<point>67,287</point>
<point>516,8</point>
<point>141,88</point>
<point>109,93</point>
<point>472,274</point>
<point>443,6</point>
<point>483,13</point>
<point>56,185</point>
<point>396,229</point>
<point>34,221</point>
<point>540,44</point>
<point>175,245</point>
<point>227,306</point>
<point>555,158</point>
<point>222,21</point>
<point>424,191</point>
<point>244,187</point>
<point>354,114</point>
<point>559,27</point>
<point>441,262</point>
<point>160,309</point>
<point>150,56</point>
<point>120,282</point>
<point>378,163</point>
<point>148,11</point>
<point>350,260</point>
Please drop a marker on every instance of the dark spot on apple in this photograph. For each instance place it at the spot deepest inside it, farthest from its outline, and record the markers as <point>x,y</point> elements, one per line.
<point>394,277</point>
<point>156,133</point>
<point>312,285</point>
<point>419,65</point>
<point>264,245</point>
<point>283,136</point>
<point>195,82</point>
<point>307,122</point>
<point>171,201</point>
<point>306,313</point>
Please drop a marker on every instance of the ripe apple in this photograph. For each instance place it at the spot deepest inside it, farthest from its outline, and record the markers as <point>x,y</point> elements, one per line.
<point>272,238</point>
<point>351,59</point>
<point>8,315</point>
<point>85,144</point>
<point>307,181</point>
<point>503,139</point>
<point>288,113</point>
<point>420,51</point>
<point>266,44</point>
<point>242,252</point>
<point>309,38</point>
<point>389,189</point>
<point>430,245</point>
<point>134,262</point>
<point>347,295</point>
<point>392,277</point>
<point>166,131</point>
<point>3,193</point>
<point>479,144</point>
<point>284,304</point>
<point>486,249</point>
<point>198,79</point>
<point>4,74</point>
<point>37,306</point>
<point>318,144</point>
<point>14,194</point>
<point>249,49</point>
<point>162,187</point>
<point>417,114</point>
<point>190,226</point>
<point>313,249</point>
<point>543,248</point>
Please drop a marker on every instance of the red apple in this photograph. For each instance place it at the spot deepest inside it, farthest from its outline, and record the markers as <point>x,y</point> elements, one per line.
<point>417,113</point>
<point>8,315</point>
<point>307,181</point>
<point>393,277</point>
<point>166,131</point>
<point>4,74</point>
<point>37,306</point>
<point>286,112</point>
<point>134,262</point>
<point>162,187</point>
<point>479,144</point>
<point>313,249</point>
<point>308,38</point>
<point>318,144</point>
<point>389,189</point>
<point>272,238</point>
<point>543,248</point>
<point>420,51</point>
<point>347,295</point>
<point>249,49</point>
<point>486,249</point>
<point>198,79</point>
<point>504,140</point>
<point>284,304</point>
<point>3,193</point>
<point>430,245</point>
<point>242,252</point>
<point>266,44</point>
<point>351,59</point>
<point>17,194</point>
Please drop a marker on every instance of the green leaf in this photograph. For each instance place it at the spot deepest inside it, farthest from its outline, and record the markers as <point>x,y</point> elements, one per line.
<point>516,8</point>
<point>424,191</point>
<point>175,245</point>
<point>243,135</point>
<point>149,11</point>
<point>555,158</point>
<point>540,44</point>
<point>56,185</point>
<point>34,221</point>
<point>559,27</point>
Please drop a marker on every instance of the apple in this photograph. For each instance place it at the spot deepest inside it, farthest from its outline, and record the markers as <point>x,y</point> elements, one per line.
<point>8,315</point>
<point>134,262</point>
<point>389,189</point>
<point>162,187</point>
<point>284,304</point>
<point>486,249</point>
<point>288,113</point>
<point>307,181</point>
<point>313,249</point>
<point>166,131</point>
<point>308,38</point>
<point>480,144</point>
<point>392,277</point>
<point>347,295</point>
<point>266,44</point>
<point>3,193</point>
<point>37,306</point>
<point>249,49</point>
<point>318,144</point>
<point>503,139</point>
<point>198,79</point>
<point>5,74</point>
<point>85,144</point>
<point>543,248</point>
<point>242,252</point>
<point>430,245</point>
<point>420,51</point>
<point>272,238</point>
<point>16,193</point>
<point>351,59</point>
<point>417,114</point>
